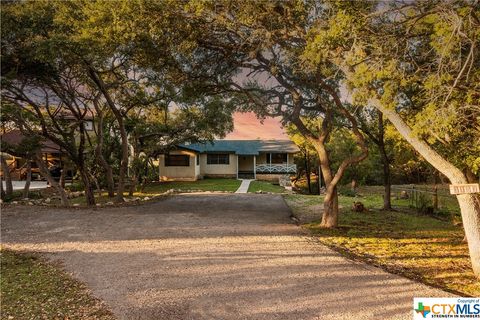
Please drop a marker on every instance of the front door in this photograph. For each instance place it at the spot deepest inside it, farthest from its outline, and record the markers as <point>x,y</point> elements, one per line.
<point>246,166</point>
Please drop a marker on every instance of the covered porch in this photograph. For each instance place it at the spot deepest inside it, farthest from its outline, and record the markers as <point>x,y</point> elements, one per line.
<point>264,163</point>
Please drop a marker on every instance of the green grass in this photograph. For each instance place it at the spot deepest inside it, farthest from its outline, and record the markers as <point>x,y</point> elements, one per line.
<point>157,188</point>
<point>230,185</point>
<point>265,187</point>
<point>34,289</point>
<point>420,247</point>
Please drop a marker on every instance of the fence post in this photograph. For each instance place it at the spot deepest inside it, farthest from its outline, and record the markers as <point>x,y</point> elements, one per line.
<point>413,197</point>
<point>435,198</point>
<point>416,192</point>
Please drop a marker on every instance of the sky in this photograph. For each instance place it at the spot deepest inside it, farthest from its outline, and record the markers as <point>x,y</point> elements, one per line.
<point>247,126</point>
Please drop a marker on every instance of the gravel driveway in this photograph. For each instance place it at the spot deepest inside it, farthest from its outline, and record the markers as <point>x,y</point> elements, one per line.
<point>209,256</point>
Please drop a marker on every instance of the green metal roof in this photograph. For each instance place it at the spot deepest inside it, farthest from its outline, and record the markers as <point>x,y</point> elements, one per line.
<point>243,147</point>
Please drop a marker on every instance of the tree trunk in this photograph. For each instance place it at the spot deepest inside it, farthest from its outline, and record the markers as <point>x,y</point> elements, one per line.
<point>469,203</point>
<point>387,184</point>
<point>97,185</point>
<point>133,185</point>
<point>330,209</point>
<point>7,176</point>
<point>89,195</point>
<point>99,154</point>
<point>62,178</point>
<point>319,182</point>
<point>46,174</point>
<point>123,162</point>
<point>2,192</point>
<point>471,177</point>
<point>307,173</point>
<point>470,208</point>
<point>123,133</point>
<point>387,202</point>
<point>26,188</point>
<point>330,202</point>
<point>110,181</point>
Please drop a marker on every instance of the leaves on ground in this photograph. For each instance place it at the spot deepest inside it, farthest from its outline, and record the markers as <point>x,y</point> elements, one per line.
<point>417,246</point>
<point>31,288</point>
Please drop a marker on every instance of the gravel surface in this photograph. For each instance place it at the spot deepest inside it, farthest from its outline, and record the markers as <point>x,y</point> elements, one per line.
<point>209,256</point>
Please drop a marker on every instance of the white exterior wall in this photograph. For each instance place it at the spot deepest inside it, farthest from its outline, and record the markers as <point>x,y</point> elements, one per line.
<point>218,169</point>
<point>178,173</point>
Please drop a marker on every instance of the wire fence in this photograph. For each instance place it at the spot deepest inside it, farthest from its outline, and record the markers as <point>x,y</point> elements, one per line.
<point>427,199</point>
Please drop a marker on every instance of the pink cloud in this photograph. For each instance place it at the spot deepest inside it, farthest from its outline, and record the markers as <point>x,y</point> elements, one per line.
<point>247,127</point>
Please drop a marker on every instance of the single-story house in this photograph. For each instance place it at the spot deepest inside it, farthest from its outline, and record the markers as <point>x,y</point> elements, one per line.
<point>257,159</point>
<point>51,153</point>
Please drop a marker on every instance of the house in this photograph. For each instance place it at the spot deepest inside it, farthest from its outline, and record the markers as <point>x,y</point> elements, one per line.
<point>51,153</point>
<point>257,159</point>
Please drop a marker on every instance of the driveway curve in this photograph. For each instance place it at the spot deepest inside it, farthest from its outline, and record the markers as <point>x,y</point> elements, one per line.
<point>209,256</point>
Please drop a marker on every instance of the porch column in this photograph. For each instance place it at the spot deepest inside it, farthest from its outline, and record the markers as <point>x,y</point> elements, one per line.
<point>237,166</point>
<point>254,167</point>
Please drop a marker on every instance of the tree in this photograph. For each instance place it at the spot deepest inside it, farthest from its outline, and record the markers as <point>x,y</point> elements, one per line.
<point>419,65</point>
<point>70,58</point>
<point>42,89</point>
<point>7,176</point>
<point>308,154</point>
<point>265,41</point>
<point>372,123</point>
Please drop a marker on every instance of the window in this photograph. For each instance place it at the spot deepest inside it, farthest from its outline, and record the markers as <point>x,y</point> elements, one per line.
<point>198,159</point>
<point>277,157</point>
<point>218,158</point>
<point>177,160</point>
<point>89,125</point>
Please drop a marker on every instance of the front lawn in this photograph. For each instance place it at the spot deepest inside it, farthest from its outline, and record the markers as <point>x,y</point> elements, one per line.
<point>417,246</point>
<point>256,186</point>
<point>157,188</point>
<point>34,289</point>
<point>228,185</point>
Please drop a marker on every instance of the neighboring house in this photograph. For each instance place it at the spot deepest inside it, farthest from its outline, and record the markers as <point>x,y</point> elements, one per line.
<point>51,153</point>
<point>54,157</point>
<point>257,159</point>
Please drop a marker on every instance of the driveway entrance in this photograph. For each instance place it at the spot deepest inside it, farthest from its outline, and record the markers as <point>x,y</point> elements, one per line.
<point>234,256</point>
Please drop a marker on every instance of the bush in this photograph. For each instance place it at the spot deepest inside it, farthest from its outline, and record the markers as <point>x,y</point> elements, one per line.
<point>424,204</point>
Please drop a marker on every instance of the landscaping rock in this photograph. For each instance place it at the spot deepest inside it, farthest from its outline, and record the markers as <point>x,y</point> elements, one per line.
<point>14,202</point>
<point>146,199</point>
<point>48,200</point>
<point>30,203</point>
<point>284,181</point>
<point>109,203</point>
